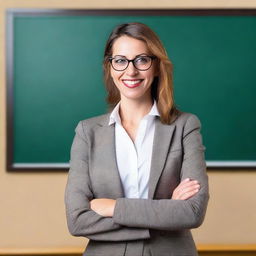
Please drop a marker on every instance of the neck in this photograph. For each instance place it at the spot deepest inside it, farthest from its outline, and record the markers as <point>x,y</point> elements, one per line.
<point>132,111</point>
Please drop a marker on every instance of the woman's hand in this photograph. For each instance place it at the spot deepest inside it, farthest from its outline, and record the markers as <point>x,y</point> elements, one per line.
<point>103,206</point>
<point>186,189</point>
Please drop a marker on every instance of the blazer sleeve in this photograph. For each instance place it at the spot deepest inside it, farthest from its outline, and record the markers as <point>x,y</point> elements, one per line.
<point>169,214</point>
<point>81,220</point>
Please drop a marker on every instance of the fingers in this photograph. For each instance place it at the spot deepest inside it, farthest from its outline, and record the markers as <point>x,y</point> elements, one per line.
<point>186,194</point>
<point>186,189</point>
<point>187,185</point>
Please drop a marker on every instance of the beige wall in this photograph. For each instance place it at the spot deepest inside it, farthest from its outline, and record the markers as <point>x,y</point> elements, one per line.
<point>31,204</point>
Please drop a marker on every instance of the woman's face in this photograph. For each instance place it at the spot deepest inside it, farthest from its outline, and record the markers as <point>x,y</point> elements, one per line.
<point>132,83</point>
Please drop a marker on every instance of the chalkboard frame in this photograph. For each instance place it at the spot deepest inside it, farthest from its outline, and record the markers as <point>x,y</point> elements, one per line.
<point>17,12</point>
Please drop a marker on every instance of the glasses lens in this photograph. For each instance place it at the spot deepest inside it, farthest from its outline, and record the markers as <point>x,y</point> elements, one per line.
<point>142,62</point>
<point>119,63</point>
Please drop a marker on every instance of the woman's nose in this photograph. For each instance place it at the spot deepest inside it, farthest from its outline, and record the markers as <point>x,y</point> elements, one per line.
<point>131,70</point>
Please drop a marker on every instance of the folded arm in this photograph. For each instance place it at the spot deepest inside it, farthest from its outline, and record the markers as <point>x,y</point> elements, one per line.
<point>169,214</point>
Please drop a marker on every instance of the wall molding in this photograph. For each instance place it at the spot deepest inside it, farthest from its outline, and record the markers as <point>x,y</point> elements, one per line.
<point>203,249</point>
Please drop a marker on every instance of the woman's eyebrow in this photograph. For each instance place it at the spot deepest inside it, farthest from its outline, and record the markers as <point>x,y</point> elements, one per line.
<point>120,55</point>
<point>141,54</point>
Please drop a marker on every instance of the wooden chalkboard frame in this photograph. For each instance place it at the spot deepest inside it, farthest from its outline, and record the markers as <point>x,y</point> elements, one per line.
<point>12,13</point>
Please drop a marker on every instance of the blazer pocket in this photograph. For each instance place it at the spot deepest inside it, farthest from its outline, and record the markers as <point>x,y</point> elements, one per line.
<point>100,248</point>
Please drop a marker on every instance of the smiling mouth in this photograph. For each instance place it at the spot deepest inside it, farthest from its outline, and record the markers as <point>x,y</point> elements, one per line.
<point>132,83</point>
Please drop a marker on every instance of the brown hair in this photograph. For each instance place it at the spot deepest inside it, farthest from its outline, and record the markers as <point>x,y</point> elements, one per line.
<point>162,86</point>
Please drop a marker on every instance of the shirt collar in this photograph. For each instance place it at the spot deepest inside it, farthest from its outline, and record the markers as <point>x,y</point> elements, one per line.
<point>115,117</point>
<point>154,111</point>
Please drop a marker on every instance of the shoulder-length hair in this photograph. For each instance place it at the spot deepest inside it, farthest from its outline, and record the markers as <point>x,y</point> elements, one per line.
<point>162,86</point>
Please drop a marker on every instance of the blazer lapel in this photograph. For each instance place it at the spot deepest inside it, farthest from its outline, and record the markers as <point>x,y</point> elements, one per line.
<point>162,139</point>
<point>106,133</point>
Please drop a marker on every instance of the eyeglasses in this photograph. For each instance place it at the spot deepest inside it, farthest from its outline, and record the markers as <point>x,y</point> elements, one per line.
<point>142,62</point>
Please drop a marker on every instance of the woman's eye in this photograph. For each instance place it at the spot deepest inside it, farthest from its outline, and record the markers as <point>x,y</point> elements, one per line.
<point>120,61</point>
<point>142,60</point>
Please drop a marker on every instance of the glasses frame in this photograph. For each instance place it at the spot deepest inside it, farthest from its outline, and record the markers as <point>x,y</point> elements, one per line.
<point>149,56</point>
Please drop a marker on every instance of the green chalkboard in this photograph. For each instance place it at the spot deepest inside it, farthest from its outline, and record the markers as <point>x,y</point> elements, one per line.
<point>55,78</point>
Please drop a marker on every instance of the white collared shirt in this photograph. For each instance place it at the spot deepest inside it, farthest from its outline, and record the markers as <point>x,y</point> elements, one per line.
<point>134,159</point>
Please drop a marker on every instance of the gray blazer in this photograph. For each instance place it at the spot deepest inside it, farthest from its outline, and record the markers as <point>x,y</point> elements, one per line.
<point>157,226</point>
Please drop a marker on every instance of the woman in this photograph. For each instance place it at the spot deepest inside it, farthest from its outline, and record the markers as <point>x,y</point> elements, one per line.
<point>137,182</point>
